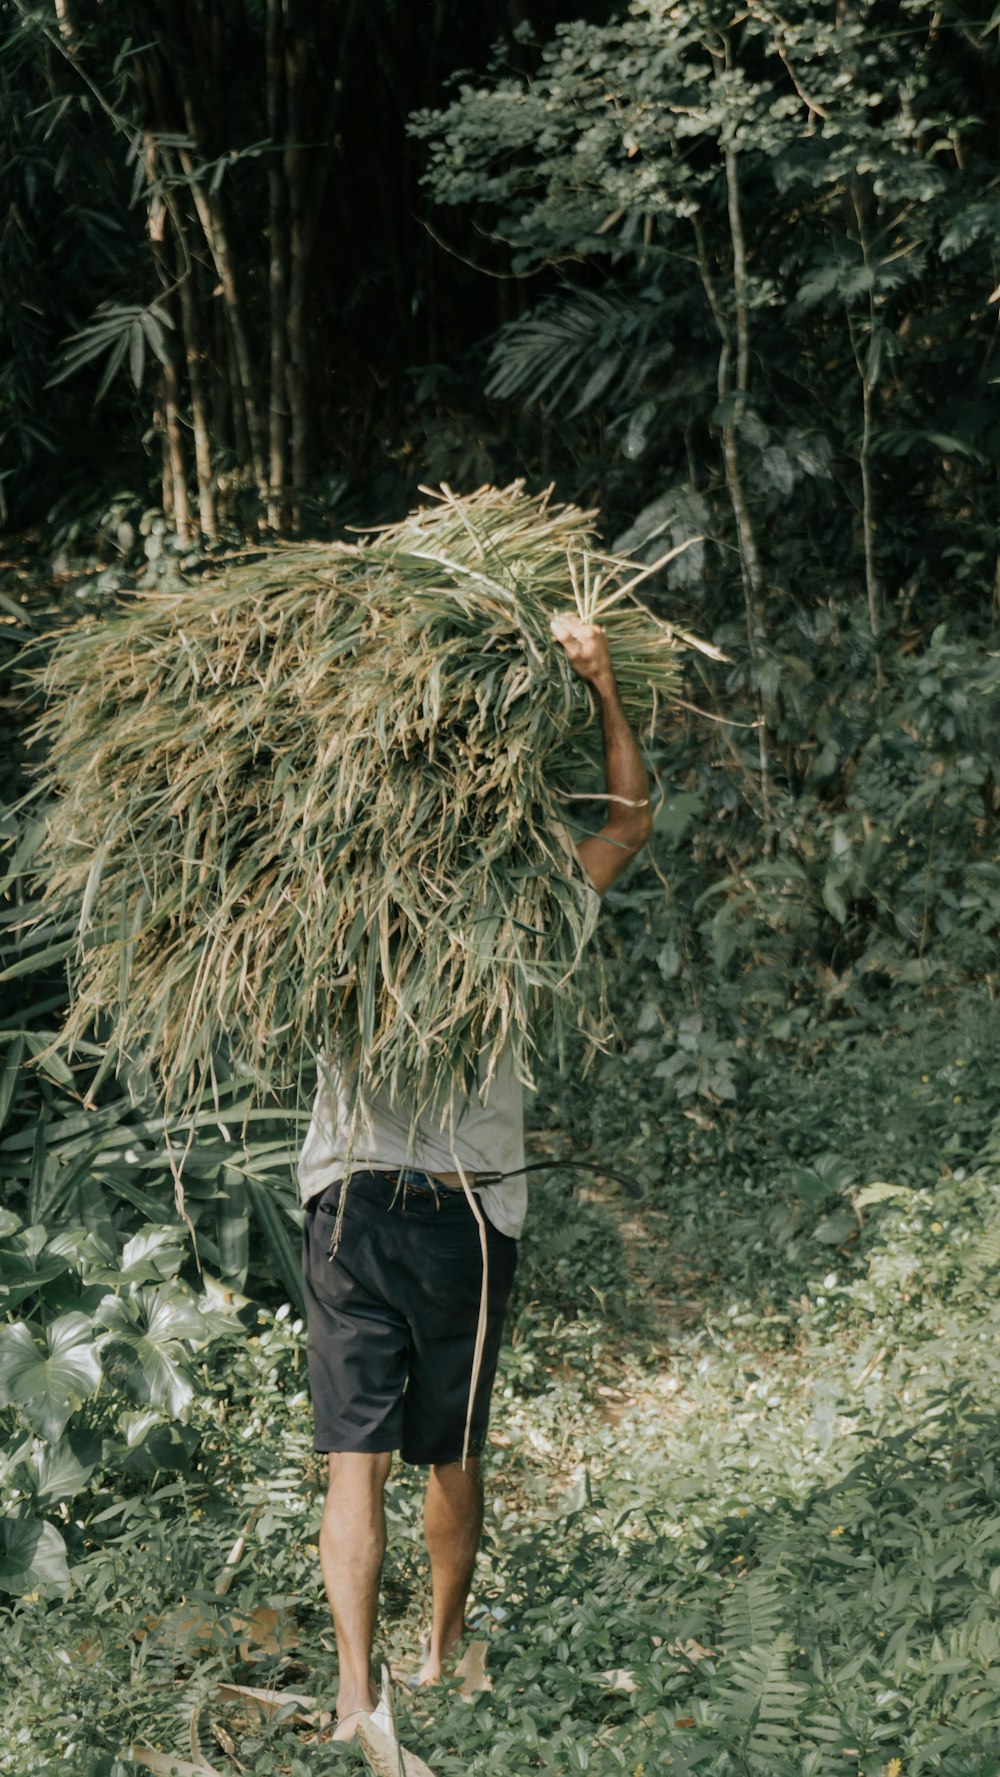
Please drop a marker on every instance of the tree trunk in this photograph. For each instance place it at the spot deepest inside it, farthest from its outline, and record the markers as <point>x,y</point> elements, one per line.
<point>748,541</point>
<point>222,396</point>
<point>751,572</point>
<point>753,578</point>
<point>237,408</point>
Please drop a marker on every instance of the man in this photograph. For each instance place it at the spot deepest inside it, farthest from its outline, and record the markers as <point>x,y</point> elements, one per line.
<point>393,1291</point>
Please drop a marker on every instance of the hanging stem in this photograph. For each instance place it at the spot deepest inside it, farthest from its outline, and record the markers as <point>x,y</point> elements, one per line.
<point>866,362</point>
<point>750,566</point>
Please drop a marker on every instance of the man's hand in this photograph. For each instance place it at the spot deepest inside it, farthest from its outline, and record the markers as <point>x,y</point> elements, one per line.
<point>586,648</point>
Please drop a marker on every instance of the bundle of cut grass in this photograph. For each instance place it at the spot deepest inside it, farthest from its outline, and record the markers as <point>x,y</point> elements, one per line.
<point>319,804</point>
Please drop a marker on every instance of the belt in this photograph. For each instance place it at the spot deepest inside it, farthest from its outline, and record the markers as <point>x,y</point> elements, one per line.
<point>426,1184</point>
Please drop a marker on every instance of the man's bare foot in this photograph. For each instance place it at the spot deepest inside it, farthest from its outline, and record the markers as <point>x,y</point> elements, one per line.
<point>435,1662</point>
<point>347,1723</point>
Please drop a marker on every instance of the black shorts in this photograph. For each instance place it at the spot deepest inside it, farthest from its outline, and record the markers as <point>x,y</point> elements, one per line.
<point>392,1318</point>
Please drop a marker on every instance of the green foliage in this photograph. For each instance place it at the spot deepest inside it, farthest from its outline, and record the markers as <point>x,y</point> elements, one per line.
<point>103,1312</point>
<point>89,1320</point>
<point>117,332</point>
<point>771,342</point>
<point>746,1472</point>
<point>85,1149</point>
<point>68,237</point>
<point>146,174</point>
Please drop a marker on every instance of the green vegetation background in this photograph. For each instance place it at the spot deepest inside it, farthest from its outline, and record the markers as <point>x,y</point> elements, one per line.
<point>726,276</point>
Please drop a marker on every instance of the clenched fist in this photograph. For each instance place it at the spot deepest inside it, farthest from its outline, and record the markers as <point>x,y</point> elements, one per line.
<point>586,648</point>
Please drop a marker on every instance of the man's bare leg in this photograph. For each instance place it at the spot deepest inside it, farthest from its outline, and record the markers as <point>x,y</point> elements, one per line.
<point>453,1519</point>
<point>351,1550</point>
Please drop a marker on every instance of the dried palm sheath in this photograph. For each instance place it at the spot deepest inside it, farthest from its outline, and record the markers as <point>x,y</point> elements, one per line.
<point>316,805</point>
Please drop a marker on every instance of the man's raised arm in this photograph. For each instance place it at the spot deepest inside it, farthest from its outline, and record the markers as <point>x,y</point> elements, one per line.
<point>604,855</point>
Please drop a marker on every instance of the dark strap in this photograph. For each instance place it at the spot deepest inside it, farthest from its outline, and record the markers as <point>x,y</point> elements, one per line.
<point>631,1185</point>
<point>628,1184</point>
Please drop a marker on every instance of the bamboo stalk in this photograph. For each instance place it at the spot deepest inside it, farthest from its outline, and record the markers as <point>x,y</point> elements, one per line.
<point>166,467</point>
<point>211,216</point>
<point>181,510</point>
<point>156,231</point>
<point>193,351</point>
<point>299,241</point>
<point>277,260</point>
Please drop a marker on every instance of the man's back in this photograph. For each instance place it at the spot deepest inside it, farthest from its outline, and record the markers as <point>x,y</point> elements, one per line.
<point>481,1132</point>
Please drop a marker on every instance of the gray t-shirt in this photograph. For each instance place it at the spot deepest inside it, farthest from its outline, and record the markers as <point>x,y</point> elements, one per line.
<point>482,1133</point>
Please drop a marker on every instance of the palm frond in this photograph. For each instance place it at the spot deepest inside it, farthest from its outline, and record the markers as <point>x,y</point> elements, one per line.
<point>569,351</point>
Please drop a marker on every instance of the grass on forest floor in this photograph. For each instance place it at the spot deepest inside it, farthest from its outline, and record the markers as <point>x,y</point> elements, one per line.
<point>744,1513</point>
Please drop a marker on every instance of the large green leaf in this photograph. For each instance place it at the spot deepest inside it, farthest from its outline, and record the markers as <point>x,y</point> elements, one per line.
<point>32,1555</point>
<point>60,1471</point>
<point>90,1254</point>
<point>158,1326</point>
<point>152,1255</point>
<point>27,1263</point>
<point>152,1445</point>
<point>48,1381</point>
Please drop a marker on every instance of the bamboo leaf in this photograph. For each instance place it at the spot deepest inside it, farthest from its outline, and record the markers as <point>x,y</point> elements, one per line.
<point>136,353</point>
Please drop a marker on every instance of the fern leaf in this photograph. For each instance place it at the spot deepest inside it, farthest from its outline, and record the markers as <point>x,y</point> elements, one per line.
<point>753,1612</point>
<point>763,1700</point>
<point>982,1259</point>
<point>880,1192</point>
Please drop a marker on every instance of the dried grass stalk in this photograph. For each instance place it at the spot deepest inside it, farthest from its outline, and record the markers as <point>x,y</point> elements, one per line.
<point>316,804</point>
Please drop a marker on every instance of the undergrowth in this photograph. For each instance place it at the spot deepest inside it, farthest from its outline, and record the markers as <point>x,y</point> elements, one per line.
<point>744,1503</point>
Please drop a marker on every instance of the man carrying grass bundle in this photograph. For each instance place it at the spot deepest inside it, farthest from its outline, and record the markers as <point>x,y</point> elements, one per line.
<point>394,1284</point>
